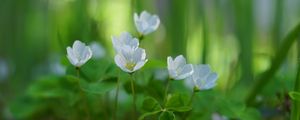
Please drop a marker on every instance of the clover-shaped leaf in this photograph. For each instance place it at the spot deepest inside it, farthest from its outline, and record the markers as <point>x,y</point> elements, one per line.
<point>167,115</point>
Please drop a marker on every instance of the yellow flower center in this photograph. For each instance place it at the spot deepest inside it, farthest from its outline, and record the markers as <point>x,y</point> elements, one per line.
<point>130,66</point>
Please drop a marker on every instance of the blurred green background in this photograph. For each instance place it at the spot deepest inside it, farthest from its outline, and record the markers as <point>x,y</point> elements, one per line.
<point>238,38</point>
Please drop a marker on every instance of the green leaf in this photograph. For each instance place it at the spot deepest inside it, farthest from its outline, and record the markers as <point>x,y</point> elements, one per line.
<point>95,70</point>
<point>295,95</point>
<point>176,101</point>
<point>142,117</point>
<point>98,87</point>
<point>150,104</point>
<point>180,109</point>
<point>167,115</point>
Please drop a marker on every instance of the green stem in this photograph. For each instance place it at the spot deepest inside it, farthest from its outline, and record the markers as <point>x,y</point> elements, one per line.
<point>141,37</point>
<point>167,89</point>
<point>295,114</point>
<point>276,63</point>
<point>82,94</point>
<point>133,96</point>
<point>192,98</point>
<point>186,114</point>
<point>116,99</point>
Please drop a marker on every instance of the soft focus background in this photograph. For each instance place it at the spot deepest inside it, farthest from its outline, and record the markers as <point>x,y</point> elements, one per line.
<point>238,38</point>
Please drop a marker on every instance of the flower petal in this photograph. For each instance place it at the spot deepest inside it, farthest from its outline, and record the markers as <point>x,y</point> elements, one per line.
<point>170,63</point>
<point>145,16</point>
<point>201,72</point>
<point>179,61</point>
<point>121,63</point>
<point>140,65</point>
<point>70,55</point>
<point>209,82</point>
<point>186,71</point>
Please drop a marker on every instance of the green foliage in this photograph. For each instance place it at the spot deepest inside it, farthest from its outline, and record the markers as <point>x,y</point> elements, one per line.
<point>44,95</point>
<point>151,108</point>
<point>295,95</point>
<point>177,102</point>
<point>150,104</point>
<point>167,115</point>
<point>32,32</point>
<point>233,109</point>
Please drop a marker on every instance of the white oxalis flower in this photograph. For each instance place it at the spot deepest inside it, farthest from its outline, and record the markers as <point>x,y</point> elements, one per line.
<point>79,54</point>
<point>130,60</point>
<point>178,69</point>
<point>146,23</point>
<point>125,39</point>
<point>203,78</point>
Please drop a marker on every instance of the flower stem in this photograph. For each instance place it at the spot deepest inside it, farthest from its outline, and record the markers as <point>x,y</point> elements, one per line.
<point>82,94</point>
<point>167,89</point>
<point>186,114</point>
<point>141,37</point>
<point>116,99</point>
<point>192,98</point>
<point>133,96</point>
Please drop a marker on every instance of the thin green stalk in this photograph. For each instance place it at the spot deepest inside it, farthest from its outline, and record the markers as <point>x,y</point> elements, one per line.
<point>133,96</point>
<point>82,95</point>
<point>167,89</point>
<point>295,114</point>
<point>192,98</point>
<point>116,99</point>
<point>265,78</point>
<point>141,37</point>
<point>195,90</point>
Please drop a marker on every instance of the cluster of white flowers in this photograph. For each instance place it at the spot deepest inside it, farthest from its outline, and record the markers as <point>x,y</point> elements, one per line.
<point>201,75</point>
<point>130,57</point>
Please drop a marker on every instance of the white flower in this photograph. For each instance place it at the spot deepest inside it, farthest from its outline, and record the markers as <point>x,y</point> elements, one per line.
<point>97,50</point>
<point>79,53</point>
<point>125,39</point>
<point>130,60</point>
<point>146,23</point>
<point>202,77</point>
<point>178,69</point>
